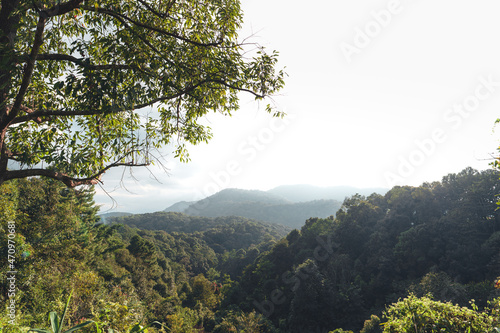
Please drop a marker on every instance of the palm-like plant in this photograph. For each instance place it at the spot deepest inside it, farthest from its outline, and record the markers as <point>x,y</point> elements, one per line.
<point>57,325</point>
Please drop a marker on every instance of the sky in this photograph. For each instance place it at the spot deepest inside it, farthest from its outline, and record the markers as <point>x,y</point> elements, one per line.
<point>379,93</point>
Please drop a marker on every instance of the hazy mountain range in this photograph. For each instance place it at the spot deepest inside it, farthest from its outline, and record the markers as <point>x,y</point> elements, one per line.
<point>289,205</point>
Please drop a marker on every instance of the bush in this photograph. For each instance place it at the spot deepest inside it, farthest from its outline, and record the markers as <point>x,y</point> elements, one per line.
<point>372,325</point>
<point>416,315</point>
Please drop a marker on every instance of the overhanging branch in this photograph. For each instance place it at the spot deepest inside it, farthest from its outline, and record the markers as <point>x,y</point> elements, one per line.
<point>59,9</point>
<point>41,114</point>
<point>63,177</point>
<point>78,61</point>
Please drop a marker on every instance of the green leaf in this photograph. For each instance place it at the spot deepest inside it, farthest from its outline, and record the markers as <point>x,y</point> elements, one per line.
<point>54,322</point>
<point>79,326</point>
<point>64,313</point>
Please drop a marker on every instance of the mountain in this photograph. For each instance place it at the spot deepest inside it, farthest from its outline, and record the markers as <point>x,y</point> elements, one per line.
<point>263,206</point>
<point>240,196</point>
<point>179,207</point>
<point>302,193</point>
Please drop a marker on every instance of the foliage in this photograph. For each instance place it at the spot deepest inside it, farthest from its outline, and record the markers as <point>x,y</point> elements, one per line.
<point>183,320</point>
<point>441,287</point>
<point>241,323</point>
<point>85,73</point>
<point>105,265</point>
<point>112,317</point>
<point>57,325</point>
<point>372,325</point>
<point>138,328</point>
<point>416,315</point>
<point>440,238</point>
<point>221,233</point>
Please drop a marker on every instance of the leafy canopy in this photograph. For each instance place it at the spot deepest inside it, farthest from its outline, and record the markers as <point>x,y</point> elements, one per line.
<point>87,85</point>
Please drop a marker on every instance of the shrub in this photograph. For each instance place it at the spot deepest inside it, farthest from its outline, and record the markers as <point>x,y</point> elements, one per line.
<point>418,315</point>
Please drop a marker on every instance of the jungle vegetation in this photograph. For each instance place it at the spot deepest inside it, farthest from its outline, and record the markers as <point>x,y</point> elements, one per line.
<point>417,259</point>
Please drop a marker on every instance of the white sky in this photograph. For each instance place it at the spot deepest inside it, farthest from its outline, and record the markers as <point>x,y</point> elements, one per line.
<point>379,93</point>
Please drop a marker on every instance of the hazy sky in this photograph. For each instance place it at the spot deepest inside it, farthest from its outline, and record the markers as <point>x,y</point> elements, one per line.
<point>379,93</point>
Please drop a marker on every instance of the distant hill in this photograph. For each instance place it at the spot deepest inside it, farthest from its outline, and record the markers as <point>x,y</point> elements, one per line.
<point>106,216</point>
<point>179,207</point>
<point>263,206</point>
<point>304,193</point>
<point>239,195</point>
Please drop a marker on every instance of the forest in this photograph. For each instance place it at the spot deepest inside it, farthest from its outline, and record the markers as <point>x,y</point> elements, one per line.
<point>417,259</point>
<point>87,86</point>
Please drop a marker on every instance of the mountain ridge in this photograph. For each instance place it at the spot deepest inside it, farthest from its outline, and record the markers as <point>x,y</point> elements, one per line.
<point>262,206</point>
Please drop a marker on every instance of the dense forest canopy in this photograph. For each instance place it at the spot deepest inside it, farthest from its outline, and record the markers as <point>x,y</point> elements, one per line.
<point>439,238</point>
<point>222,233</point>
<point>380,258</point>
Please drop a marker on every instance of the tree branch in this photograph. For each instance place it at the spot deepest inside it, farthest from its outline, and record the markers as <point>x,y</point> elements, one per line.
<point>79,61</point>
<point>63,177</point>
<point>59,9</point>
<point>155,12</point>
<point>62,112</point>
<point>146,26</point>
<point>224,83</point>
<point>27,110</point>
<point>28,72</point>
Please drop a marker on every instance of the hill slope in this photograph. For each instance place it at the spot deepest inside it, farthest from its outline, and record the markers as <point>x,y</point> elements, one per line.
<point>179,206</point>
<point>262,206</point>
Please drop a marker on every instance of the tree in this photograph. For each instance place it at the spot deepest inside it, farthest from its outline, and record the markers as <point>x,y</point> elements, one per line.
<point>311,306</point>
<point>78,80</point>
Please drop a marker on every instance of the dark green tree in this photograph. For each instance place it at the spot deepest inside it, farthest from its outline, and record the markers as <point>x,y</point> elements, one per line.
<point>311,306</point>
